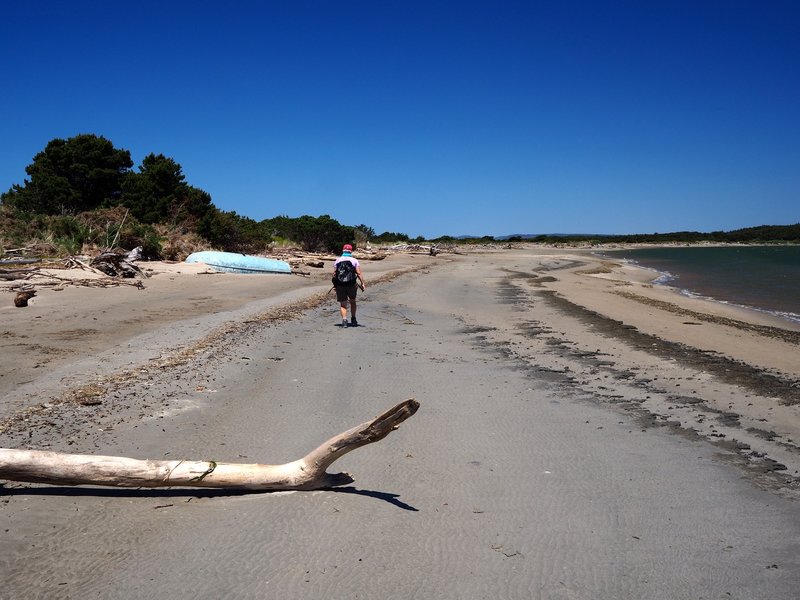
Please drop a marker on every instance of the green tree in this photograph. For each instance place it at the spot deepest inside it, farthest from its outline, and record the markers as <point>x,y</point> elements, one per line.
<point>280,226</point>
<point>362,234</point>
<point>70,176</point>
<point>320,233</point>
<point>231,232</point>
<point>158,193</point>
<point>391,236</point>
<point>311,233</point>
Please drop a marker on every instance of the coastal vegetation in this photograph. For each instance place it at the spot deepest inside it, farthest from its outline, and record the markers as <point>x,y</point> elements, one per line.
<point>83,193</point>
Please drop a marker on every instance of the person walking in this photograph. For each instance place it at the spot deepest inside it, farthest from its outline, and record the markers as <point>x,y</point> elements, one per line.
<point>347,278</point>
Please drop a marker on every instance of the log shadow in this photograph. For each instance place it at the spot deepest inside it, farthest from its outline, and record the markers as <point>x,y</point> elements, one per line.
<point>385,496</point>
<point>99,492</point>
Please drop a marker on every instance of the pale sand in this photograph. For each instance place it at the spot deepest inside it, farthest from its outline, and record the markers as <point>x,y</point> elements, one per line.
<point>558,453</point>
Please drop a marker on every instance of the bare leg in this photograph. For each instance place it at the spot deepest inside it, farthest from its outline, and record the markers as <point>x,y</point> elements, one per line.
<point>353,308</point>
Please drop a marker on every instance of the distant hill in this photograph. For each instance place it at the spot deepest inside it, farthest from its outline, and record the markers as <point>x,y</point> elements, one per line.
<point>761,233</point>
<point>530,236</point>
<point>526,236</point>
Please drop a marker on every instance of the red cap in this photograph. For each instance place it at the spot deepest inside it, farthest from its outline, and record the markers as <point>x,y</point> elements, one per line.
<point>347,247</point>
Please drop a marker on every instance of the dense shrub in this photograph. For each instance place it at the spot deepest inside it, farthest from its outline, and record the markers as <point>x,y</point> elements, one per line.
<point>232,233</point>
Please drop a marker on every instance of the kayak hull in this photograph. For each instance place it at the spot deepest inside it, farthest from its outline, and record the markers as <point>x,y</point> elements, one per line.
<point>231,262</point>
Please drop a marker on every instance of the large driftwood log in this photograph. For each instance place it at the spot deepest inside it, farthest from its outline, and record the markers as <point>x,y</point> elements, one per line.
<point>15,274</point>
<point>308,473</point>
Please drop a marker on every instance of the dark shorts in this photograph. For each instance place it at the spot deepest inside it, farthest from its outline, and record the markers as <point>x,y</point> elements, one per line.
<point>346,292</point>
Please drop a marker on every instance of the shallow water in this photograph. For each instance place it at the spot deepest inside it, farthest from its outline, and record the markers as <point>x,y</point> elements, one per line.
<point>762,277</point>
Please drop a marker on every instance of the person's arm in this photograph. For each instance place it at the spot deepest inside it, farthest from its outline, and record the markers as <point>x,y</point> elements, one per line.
<point>360,277</point>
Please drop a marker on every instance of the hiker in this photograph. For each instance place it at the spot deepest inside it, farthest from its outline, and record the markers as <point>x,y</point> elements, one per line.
<point>346,279</point>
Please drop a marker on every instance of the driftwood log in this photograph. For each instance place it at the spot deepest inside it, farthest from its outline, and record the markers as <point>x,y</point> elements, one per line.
<point>14,274</point>
<point>21,299</point>
<point>116,265</point>
<point>307,473</point>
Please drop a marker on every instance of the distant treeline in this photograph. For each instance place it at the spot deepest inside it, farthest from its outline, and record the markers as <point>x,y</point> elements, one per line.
<point>83,192</point>
<point>750,235</point>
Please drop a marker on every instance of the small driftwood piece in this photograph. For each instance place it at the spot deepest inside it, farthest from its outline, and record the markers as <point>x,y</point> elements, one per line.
<point>307,473</point>
<point>21,299</point>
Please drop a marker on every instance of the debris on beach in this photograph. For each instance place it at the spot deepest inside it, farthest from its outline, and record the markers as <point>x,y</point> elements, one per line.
<point>109,269</point>
<point>422,249</point>
<point>112,268</point>
<point>118,265</point>
<point>298,258</point>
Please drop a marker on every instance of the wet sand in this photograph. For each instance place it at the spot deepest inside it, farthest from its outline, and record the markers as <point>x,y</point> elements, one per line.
<point>581,434</point>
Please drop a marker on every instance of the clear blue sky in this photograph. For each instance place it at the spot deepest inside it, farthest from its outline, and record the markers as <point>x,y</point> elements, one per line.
<point>429,118</point>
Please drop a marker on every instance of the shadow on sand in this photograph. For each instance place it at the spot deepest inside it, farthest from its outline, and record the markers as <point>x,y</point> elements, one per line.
<point>99,492</point>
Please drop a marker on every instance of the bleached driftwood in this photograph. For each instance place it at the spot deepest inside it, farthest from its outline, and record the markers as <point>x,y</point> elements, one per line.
<point>14,274</point>
<point>75,262</point>
<point>49,279</point>
<point>116,265</point>
<point>307,473</point>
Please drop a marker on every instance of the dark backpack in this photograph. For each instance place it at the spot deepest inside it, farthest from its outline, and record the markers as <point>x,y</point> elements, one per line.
<point>345,273</point>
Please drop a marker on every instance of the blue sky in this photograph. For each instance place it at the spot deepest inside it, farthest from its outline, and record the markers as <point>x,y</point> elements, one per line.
<point>429,118</point>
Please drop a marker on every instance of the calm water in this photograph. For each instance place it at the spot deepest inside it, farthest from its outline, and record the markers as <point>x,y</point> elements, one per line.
<point>762,277</point>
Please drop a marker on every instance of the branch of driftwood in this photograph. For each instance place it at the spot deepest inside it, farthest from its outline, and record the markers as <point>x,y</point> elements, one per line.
<point>112,270</point>
<point>307,473</point>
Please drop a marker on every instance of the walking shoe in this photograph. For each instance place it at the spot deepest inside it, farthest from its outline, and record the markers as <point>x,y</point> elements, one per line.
<point>353,322</point>
<point>344,322</point>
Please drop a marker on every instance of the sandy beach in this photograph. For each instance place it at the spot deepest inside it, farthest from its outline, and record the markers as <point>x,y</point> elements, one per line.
<point>582,434</point>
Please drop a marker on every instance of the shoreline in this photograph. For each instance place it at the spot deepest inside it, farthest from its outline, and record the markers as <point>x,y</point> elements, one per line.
<point>561,423</point>
<point>718,291</point>
<point>198,300</point>
<point>617,297</point>
<point>727,374</point>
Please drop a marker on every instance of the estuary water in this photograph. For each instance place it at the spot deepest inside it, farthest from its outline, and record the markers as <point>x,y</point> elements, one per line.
<point>766,278</point>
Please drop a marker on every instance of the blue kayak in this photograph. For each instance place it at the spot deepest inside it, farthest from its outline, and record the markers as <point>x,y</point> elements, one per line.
<point>231,262</point>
